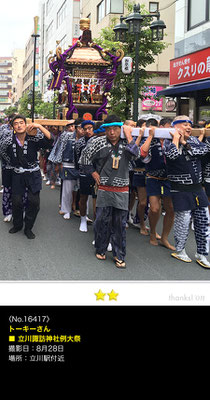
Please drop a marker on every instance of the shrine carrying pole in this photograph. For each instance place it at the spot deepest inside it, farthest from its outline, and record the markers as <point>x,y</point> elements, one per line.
<point>161,133</point>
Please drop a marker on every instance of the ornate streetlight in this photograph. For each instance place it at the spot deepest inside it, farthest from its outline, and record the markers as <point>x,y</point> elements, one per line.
<point>157,28</point>
<point>120,31</point>
<point>134,22</point>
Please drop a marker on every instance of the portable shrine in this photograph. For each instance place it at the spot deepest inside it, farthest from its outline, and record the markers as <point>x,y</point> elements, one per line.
<point>84,75</point>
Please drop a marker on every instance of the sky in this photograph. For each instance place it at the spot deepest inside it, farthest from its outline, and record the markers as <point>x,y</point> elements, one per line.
<point>16,24</point>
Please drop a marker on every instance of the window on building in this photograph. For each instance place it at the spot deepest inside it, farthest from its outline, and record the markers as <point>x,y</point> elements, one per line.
<point>61,15</point>
<point>49,31</point>
<point>115,6</point>
<point>46,62</point>
<point>153,7</point>
<point>3,63</point>
<point>49,6</point>
<point>109,7</point>
<point>4,85</point>
<point>198,12</point>
<point>4,93</point>
<point>63,43</point>
<point>4,78</point>
<point>100,11</point>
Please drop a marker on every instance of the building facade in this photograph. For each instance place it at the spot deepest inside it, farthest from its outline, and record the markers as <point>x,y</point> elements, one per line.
<point>18,56</point>
<point>192,26</point>
<point>28,65</point>
<point>101,14</point>
<point>59,26</point>
<point>190,66</point>
<point>5,83</point>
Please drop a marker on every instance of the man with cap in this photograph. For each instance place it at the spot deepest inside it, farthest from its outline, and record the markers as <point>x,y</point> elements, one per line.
<point>183,158</point>
<point>107,159</point>
<point>86,181</point>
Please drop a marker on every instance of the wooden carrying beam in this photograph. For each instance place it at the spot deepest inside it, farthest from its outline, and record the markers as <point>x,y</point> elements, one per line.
<point>50,122</point>
<point>161,133</point>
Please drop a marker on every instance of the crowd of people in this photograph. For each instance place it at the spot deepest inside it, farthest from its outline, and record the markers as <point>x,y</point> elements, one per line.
<point>131,180</point>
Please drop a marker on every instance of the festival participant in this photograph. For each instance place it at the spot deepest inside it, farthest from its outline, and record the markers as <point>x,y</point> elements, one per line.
<point>22,148</point>
<point>54,153</point>
<point>6,170</point>
<point>5,131</point>
<point>164,123</point>
<point>183,156</point>
<point>132,189</point>
<point>76,194</point>
<point>206,164</point>
<point>63,156</point>
<point>139,182</point>
<point>87,183</point>
<point>52,173</point>
<point>107,159</point>
<point>157,186</point>
<point>78,128</point>
<point>202,123</point>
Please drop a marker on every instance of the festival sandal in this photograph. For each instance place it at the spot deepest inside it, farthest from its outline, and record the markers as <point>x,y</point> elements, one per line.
<point>76,213</point>
<point>202,261</point>
<point>182,256</point>
<point>119,263</point>
<point>202,264</point>
<point>101,257</point>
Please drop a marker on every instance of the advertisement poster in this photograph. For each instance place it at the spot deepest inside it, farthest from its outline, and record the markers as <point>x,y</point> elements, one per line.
<point>150,102</point>
<point>191,67</point>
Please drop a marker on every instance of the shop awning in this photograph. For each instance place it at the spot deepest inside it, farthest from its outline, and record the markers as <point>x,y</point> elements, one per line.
<point>174,91</point>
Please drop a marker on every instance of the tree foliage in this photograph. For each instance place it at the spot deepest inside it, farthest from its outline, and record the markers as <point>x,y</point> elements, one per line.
<point>122,92</point>
<point>41,109</point>
<point>10,110</point>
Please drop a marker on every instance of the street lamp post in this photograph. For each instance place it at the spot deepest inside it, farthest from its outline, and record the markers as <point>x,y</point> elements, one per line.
<point>35,35</point>
<point>134,21</point>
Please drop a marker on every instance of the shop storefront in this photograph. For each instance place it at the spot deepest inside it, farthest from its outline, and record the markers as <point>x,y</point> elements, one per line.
<point>190,84</point>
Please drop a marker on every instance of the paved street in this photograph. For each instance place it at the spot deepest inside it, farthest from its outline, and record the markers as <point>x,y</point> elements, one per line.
<point>61,252</point>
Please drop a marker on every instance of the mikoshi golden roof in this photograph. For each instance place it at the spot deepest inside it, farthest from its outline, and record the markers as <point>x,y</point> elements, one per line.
<point>86,56</point>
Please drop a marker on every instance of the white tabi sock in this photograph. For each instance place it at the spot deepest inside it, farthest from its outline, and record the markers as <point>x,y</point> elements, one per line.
<point>67,216</point>
<point>8,218</point>
<point>109,248</point>
<point>83,224</point>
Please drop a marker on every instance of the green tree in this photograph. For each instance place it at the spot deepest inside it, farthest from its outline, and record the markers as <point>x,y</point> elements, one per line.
<point>42,109</point>
<point>26,101</point>
<point>122,91</point>
<point>45,110</point>
<point>10,110</point>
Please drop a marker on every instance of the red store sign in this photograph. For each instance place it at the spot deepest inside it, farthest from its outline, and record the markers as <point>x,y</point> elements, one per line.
<point>192,67</point>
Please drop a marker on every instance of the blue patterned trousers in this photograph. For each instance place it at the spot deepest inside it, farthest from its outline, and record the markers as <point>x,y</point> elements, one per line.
<point>7,200</point>
<point>110,227</point>
<point>201,229</point>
